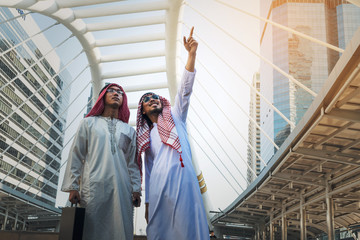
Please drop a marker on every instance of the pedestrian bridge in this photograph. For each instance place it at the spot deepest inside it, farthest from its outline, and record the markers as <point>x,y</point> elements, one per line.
<point>309,187</point>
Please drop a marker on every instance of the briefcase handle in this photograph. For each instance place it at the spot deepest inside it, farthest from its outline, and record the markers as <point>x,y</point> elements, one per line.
<point>75,203</point>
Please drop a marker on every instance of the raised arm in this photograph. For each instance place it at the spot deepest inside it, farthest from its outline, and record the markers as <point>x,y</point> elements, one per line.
<point>182,99</point>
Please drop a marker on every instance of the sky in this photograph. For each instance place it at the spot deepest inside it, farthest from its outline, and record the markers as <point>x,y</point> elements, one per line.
<point>216,120</point>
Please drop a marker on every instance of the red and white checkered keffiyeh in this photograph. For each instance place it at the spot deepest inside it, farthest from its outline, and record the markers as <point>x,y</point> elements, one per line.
<point>166,128</point>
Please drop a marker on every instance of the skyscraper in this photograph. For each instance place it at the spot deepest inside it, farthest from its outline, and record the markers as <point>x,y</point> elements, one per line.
<point>33,101</point>
<point>254,132</point>
<point>331,21</point>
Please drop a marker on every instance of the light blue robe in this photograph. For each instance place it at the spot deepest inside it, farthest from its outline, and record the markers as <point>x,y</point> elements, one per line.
<point>176,209</point>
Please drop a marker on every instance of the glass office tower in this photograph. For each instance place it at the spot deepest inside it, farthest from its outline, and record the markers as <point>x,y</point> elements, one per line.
<point>33,102</point>
<point>331,21</point>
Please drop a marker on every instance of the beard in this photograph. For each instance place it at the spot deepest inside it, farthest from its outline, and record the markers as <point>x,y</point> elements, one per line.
<point>114,105</point>
<point>156,111</point>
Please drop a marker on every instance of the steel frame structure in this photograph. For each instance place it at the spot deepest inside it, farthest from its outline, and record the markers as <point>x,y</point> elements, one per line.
<point>311,185</point>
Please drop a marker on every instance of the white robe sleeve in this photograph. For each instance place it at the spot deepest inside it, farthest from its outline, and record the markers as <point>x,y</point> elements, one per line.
<point>182,99</point>
<point>133,167</point>
<point>76,157</point>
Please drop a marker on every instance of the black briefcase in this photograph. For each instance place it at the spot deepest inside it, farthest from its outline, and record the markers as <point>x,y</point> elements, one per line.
<point>72,223</point>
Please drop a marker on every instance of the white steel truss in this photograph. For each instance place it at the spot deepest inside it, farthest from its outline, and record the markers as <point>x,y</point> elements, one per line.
<point>86,18</point>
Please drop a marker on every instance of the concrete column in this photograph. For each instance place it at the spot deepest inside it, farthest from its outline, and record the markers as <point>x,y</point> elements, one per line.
<point>337,234</point>
<point>329,213</point>
<point>218,232</point>
<point>271,227</point>
<point>57,228</point>
<point>16,220</point>
<point>24,225</point>
<point>302,218</point>
<point>257,233</point>
<point>355,235</point>
<point>283,224</point>
<point>262,231</point>
<point>5,220</point>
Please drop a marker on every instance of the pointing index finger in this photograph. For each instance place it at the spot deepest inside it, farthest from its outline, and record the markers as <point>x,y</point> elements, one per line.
<point>191,32</point>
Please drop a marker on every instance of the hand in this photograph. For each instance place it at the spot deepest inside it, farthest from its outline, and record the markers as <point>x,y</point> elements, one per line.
<point>74,196</point>
<point>190,44</point>
<point>147,212</point>
<point>136,199</point>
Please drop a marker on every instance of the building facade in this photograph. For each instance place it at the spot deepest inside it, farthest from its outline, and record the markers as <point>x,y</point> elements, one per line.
<point>33,107</point>
<point>331,21</point>
<point>254,132</point>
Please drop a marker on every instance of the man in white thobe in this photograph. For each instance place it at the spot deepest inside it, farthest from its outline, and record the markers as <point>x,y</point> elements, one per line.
<point>102,173</point>
<point>174,206</point>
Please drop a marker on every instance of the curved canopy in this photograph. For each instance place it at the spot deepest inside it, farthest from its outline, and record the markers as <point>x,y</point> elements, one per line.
<point>83,18</point>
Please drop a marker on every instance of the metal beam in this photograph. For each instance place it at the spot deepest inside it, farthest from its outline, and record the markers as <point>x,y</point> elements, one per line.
<point>137,37</point>
<point>280,194</point>
<point>330,136</point>
<point>353,143</point>
<point>264,202</point>
<point>286,177</point>
<point>269,189</point>
<point>148,53</point>
<point>124,7</point>
<point>143,87</point>
<point>347,115</point>
<point>354,209</point>
<point>353,171</point>
<point>356,91</point>
<point>129,22</point>
<point>298,223</point>
<point>79,3</point>
<point>134,72</point>
<point>317,167</point>
<point>253,210</point>
<point>327,155</point>
<point>248,216</point>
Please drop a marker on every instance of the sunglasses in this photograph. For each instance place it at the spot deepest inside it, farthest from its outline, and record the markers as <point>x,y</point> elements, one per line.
<point>111,90</point>
<point>147,98</point>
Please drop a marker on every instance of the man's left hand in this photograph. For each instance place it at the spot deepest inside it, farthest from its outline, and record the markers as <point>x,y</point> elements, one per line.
<point>190,43</point>
<point>136,199</point>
